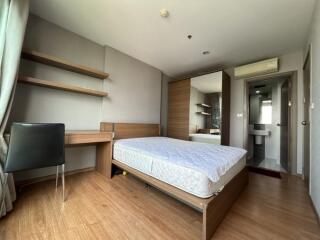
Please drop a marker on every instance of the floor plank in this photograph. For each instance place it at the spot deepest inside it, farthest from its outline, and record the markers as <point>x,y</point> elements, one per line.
<point>125,208</point>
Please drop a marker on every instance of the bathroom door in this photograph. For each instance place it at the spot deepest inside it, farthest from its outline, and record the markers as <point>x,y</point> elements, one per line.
<point>284,126</point>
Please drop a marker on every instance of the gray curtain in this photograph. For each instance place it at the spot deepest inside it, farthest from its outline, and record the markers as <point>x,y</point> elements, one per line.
<point>13,19</point>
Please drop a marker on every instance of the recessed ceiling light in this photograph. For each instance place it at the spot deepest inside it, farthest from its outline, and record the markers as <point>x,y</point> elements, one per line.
<point>205,52</point>
<point>258,91</point>
<point>164,13</point>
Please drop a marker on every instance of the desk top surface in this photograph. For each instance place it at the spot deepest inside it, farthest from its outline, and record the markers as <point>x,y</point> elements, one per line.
<point>73,137</point>
<point>74,132</point>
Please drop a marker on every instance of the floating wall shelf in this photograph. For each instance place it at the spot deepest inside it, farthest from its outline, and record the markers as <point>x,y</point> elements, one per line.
<point>204,113</point>
<point>203,105</point>
<point>60,86</point>
<point>61,63</point>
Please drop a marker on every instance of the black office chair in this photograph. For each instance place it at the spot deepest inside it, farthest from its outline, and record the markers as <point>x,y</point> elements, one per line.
<point>36,145</point>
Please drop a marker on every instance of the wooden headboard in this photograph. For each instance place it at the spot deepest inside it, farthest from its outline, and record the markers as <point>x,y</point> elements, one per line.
<point>131,130</point>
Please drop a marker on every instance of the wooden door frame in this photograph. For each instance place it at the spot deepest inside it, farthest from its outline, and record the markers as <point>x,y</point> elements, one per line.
<point>307,57</point>
<point>293,119</point>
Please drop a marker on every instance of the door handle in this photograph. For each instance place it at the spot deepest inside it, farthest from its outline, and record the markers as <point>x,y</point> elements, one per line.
<point>304,123</point>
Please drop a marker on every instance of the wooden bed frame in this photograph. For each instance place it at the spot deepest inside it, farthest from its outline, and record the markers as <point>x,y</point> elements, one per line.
<point>213,209</point>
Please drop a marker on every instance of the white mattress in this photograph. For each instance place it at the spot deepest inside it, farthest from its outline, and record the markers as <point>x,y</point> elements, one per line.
<point>132,152</point>
<point>205,138</point>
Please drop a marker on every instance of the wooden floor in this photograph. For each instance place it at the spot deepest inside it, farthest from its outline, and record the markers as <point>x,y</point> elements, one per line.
<point>124,208</point>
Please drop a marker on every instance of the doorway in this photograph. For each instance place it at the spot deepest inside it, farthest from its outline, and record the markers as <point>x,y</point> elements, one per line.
<point>269,125</point>
<point>306,121</point>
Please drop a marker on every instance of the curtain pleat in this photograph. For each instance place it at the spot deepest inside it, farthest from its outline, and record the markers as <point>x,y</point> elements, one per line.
<point>13,19</point>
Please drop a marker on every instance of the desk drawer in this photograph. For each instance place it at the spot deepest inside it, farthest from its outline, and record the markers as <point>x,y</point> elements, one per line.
<point>87,138</point>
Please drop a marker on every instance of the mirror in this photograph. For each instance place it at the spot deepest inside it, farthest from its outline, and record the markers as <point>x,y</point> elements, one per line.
<point>260,104</point>
<point>260,109</point>
<point>205,107</point>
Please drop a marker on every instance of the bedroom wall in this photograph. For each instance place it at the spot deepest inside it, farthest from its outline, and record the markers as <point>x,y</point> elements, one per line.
<point>288,63</point>
<point>134,89</point>
<point>37,104</point>
<point>314,40</point>
<point>164,103</point>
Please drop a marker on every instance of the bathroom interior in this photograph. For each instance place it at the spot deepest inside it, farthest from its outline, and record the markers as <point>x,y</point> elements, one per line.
<point>268,131</point>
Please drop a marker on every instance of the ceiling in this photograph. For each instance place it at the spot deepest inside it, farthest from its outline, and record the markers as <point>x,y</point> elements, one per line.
<point>208,83</point>
<point>235,32</point>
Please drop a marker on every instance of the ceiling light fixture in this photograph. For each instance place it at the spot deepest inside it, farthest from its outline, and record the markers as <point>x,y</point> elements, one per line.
<point>258,91</point>
<point>205,52</point>
<point>164,13</point>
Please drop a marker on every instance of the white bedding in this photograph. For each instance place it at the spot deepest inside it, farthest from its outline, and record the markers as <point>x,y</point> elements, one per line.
<point>182,163</point>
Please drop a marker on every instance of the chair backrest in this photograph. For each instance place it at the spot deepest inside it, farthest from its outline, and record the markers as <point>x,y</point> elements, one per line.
<point>35,145</point>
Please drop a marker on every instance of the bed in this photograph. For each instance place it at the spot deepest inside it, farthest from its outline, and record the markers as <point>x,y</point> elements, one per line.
<point>136,150</point>
<point>205,138</point>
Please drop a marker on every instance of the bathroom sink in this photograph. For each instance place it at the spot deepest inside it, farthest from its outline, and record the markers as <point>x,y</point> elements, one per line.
<point>260,132</point>
<point>259,135</point>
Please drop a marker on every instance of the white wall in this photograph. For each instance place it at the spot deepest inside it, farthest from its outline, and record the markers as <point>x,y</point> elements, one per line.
<point>314,40</point>
<point>289,62</point>
<point>134,89</point>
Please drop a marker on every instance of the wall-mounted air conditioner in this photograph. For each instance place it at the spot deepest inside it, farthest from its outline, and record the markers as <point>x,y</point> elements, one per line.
<point>258,68</point>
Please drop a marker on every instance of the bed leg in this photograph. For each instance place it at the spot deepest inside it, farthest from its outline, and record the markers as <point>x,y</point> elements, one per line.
<point>215,211</point>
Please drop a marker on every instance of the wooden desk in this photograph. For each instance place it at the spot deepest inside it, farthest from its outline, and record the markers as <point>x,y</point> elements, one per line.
<point>103,140</point>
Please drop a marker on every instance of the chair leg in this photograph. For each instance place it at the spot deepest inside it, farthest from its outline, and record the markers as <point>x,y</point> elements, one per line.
<point>57,177</point>
<point>63,185</point>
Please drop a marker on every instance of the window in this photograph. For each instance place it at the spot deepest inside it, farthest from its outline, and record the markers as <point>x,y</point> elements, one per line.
<point>266,112</point>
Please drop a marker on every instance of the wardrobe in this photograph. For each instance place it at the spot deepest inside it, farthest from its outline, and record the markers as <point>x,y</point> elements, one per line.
<point>199,108</point>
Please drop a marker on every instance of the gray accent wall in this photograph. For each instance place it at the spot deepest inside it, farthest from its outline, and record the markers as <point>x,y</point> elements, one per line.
<point>38,104</point>
<point>134,89</point>
<point>164,104</point>
<point>314,40</point>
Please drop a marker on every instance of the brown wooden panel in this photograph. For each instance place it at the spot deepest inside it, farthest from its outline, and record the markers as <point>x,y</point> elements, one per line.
<point>178,109</point>
<point>106,127</point>
<point>195,202</point>
<point>104,158</point>
<point>60,86</point>
<point>225,111</point>
<point>61,63</point>
<point>86,137</point>
<point>218,207</point>
<point>134,130</point>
